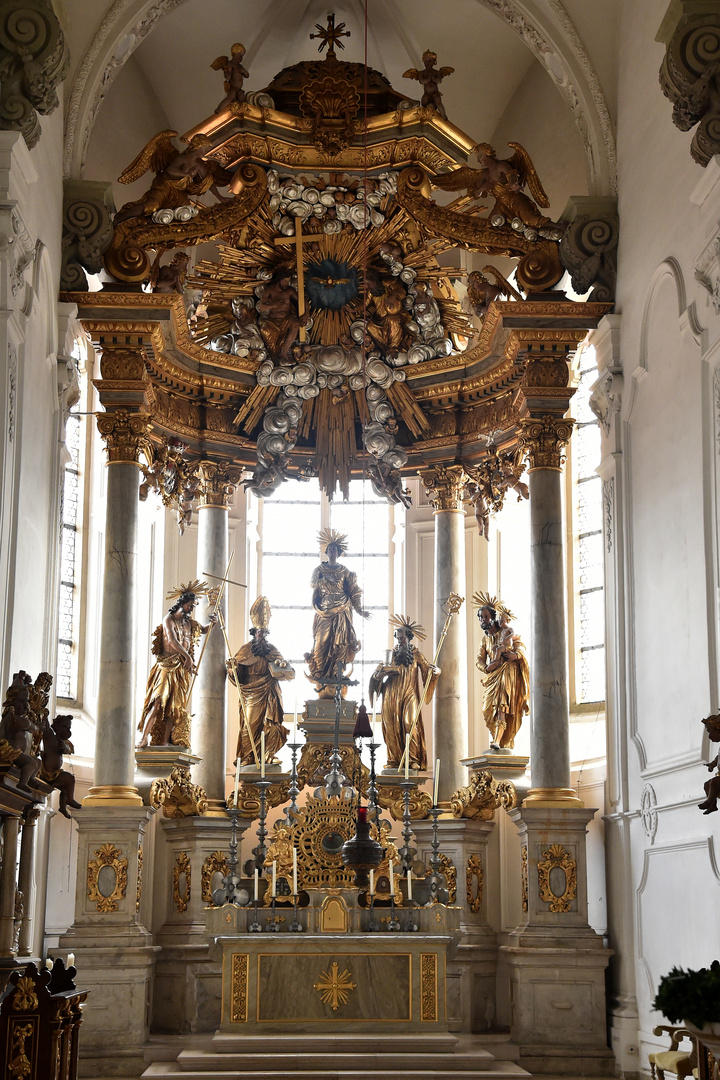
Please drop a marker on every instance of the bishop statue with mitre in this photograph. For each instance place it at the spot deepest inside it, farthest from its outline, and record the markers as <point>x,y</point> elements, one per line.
<point>401,684</point>
<point>257,670</point>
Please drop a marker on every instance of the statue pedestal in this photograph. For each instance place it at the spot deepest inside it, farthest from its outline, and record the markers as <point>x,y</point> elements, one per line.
<point>504,765</point>
<point>156,763</point>
<point>318,721</point>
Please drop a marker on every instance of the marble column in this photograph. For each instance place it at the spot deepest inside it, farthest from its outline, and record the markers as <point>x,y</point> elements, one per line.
<point>8,886</point>
<point>124,433</point>
<point>544,435</point>
<point>209,703</point>
<point>26,880</point>
<point>445,487</point>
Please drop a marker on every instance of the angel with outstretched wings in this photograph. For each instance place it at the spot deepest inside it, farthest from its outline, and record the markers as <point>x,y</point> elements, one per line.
<point>235,74</point>
<point>178,175</point>
<point>430,78</point>
<point>505,179</point>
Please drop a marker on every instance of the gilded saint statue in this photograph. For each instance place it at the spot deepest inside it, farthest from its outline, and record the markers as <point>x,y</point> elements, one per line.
<point>165,720</point>
<point>502,660</point>
<point>336,595</point>
<point>401,684</point>
<point>257,668</point>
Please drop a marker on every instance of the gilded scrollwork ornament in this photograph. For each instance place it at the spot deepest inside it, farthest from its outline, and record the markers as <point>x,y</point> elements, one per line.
<point>557,857</point>
<point>474,881</point>
<point>449,872</point>
<point>544,440</point>
<point>181,876</point>
<point>482,797</point>
<point>125,434</point>
<point>215,863</point>
<point>107,856</point>
<point>177,795</point>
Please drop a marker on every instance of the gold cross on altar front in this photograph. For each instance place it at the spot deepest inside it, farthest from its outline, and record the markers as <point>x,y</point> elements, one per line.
<point>334,988</point>
<point>297,241</point>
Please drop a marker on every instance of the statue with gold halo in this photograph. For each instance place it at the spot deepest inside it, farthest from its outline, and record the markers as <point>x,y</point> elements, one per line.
<point>257,669</point>
<point>401,684</point>
<point>336,595</point>
<point>165,720</point>
<point>507,679</point>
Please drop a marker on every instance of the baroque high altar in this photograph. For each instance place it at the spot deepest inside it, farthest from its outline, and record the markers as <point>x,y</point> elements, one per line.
<point>329,335</point>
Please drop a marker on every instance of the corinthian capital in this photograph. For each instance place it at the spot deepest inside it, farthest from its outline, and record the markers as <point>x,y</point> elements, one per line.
<point>544,440</point>
<point>445,486</point>
<point>125,434</point>
<point>217,483</point>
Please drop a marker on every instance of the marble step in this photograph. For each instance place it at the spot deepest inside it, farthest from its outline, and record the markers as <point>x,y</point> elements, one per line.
<point>414,1043</point>
<point>480,1061</point>
<point>494,1070</point>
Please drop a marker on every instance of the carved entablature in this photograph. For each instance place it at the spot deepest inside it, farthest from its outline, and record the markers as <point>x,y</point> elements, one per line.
<point>34,59</point>
<point>689,74</point>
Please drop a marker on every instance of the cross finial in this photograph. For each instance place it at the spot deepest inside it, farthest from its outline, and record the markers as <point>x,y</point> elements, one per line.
<point>330,36</point>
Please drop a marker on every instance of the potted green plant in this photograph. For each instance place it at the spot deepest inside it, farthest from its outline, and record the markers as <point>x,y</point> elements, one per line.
<point>692,998</point>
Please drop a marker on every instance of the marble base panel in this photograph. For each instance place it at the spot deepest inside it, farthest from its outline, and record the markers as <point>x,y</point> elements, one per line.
<point>331,983</point>
<point>189,864</point>
<point>472,967</point>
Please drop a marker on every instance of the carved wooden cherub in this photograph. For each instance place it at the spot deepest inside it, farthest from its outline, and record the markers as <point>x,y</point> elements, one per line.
<point>235,74</point>
<point>178,175</point>
<point>56,742</point>
<point>430,78</point>
<point>17,726</point>
<point>504,179</point>
<point>481,292</point>
<point>170,278</point>
<point>709,805</point>
<point>387,483</point>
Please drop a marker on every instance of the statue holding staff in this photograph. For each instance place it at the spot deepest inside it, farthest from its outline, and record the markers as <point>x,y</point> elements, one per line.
<point>401,684</point>
<point>336,595</point>
<point>502,660</point>
<point>165,720</point>
<point>257,668</point>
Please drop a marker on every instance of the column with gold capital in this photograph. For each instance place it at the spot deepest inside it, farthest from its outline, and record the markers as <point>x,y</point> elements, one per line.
<point>544,434</point>
<point>445,487</point>
<point>216,490</point>
<point>125,434</point>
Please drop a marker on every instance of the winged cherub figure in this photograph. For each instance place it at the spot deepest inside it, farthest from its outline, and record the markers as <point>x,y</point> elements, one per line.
<point>505,180</point>
<point>235,74</point>
<point>430,78</point>
<point>178,175</point>
<point>481,291</point>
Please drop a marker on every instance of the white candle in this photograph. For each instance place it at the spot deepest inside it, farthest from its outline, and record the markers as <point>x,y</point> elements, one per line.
<point>407,756</point>
<point>392,878</point>
<point>294,739</point>
<point>436,781</point>
<point>71,959</point>
<point>409,883</point>
<point>237,781</point>
<point>274,878</point>
<point>49,964</point>
<point>255,892</point>
<point>372,882</point>
<point>295,888</point>
<point>262,755</point>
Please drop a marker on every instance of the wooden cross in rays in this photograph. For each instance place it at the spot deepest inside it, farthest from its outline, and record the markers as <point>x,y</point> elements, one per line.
<point>330,36</point>
<point>297,241</point>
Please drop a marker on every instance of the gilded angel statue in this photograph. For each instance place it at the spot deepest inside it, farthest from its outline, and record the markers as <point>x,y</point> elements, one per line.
<point>430,78</point>
<point>481,291</point>
<point>235,74</point>
<point>178,175</point>
<point>504,180</point>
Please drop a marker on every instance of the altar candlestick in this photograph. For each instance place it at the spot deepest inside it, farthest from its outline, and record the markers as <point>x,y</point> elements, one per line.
<point>392,878</point>
<point>262,755</point>
<point>274,878</point>
<point>237,782</point>
<point>407,756</point>
<point>436,781</point>
<point>295,888</point>
<point>255,888</point>
<point>409,884</point>
<point>372,882</point>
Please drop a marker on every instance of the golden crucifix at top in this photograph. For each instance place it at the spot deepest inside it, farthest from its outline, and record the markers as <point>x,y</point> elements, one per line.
<point>330,35</point>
